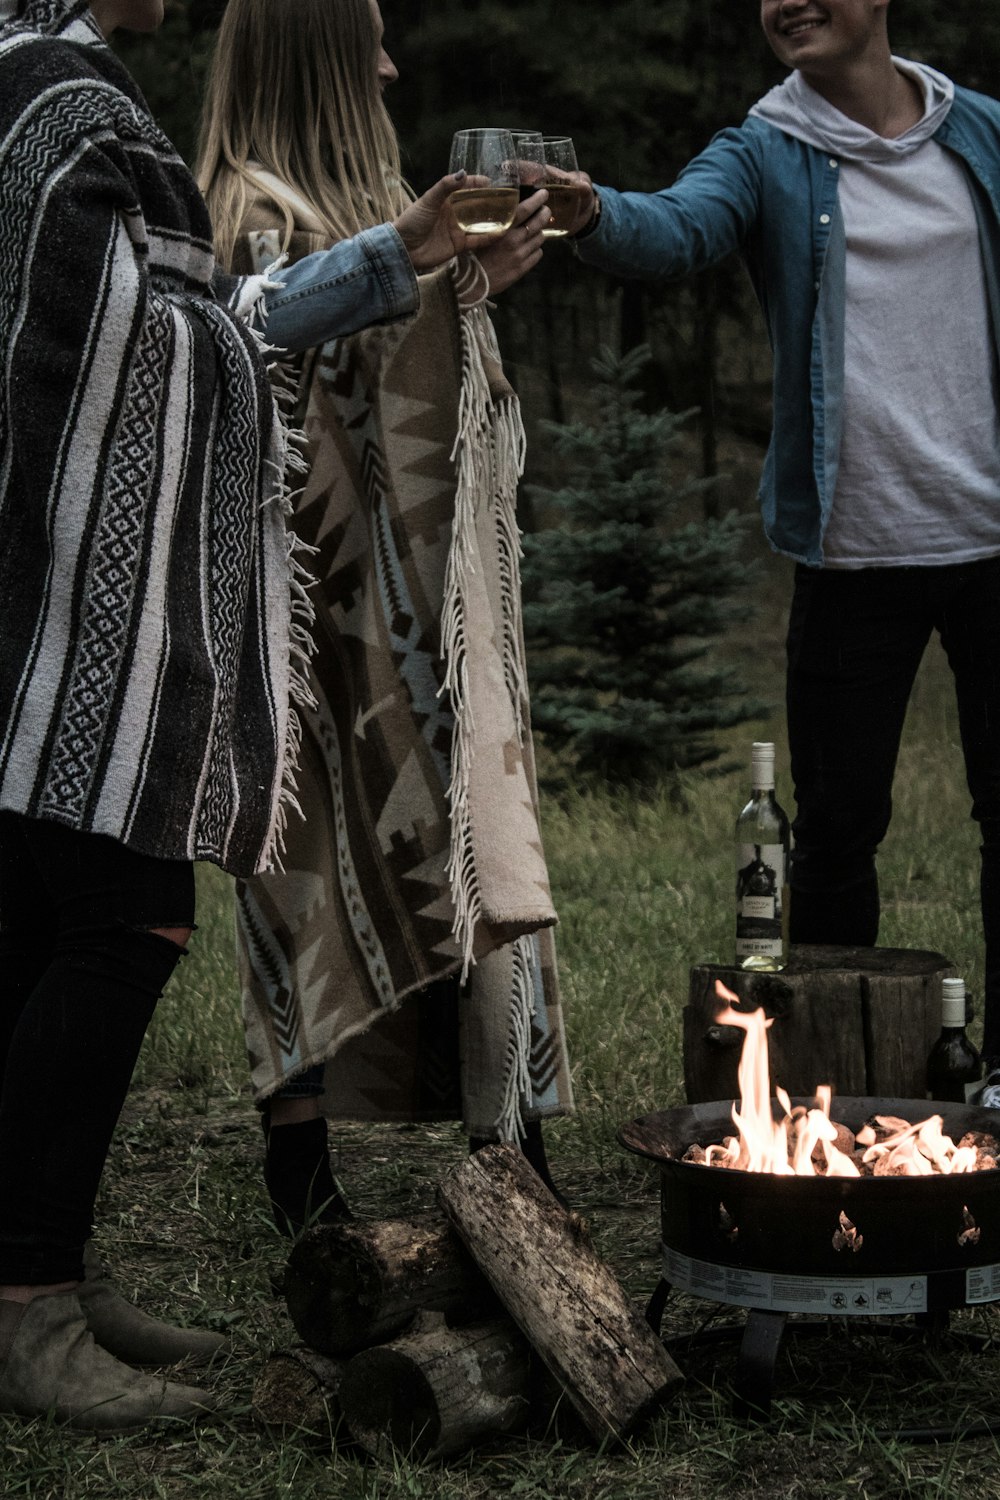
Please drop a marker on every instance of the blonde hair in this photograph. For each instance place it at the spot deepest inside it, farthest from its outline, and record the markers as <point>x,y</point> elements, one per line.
<point>294,89</point>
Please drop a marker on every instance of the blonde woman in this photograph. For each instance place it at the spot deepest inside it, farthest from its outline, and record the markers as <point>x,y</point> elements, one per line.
<point>402,967</point>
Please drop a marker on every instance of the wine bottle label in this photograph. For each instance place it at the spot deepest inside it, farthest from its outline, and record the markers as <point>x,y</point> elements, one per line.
<point>760,881</point>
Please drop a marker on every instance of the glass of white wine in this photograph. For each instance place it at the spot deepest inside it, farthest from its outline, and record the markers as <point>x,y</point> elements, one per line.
<point>559,158</point>
<point>486,205</point>
<point>530,161</point>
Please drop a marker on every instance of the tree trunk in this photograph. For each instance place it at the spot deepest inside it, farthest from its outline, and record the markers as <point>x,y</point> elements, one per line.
<point>439,1390</point>
<point>297,1390</point>
<point>564,1299</point>
<point>351,1285</point>
<point>632,316</point>
<point>861,1019</point>
<point>550,334</point>
<point>706,343</point>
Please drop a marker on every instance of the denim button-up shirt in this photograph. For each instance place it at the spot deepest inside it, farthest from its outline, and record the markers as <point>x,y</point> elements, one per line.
<point>363,280</point>
<point>774,198</point>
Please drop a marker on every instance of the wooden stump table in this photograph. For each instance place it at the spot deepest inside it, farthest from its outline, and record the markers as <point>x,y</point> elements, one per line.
<point>861,1019</point>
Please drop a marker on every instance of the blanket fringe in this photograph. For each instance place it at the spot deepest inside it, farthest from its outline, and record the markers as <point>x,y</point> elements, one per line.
<point>517,1078</point>
<point>287,461</point>
<point>489,455</point>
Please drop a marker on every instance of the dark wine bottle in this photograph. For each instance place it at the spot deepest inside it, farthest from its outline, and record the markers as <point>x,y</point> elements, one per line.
<point>762,846</point>
<point>953,1064</point>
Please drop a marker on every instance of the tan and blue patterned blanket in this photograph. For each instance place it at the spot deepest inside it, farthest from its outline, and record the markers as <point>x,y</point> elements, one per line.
<point>419,858</point>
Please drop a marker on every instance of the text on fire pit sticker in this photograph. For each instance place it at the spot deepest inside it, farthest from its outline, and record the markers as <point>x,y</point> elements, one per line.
<point>848,1296</point>
<point>982,1284</point>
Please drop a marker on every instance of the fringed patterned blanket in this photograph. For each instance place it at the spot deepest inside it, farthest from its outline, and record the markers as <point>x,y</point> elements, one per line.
<point>145,580</point>
<point>419,860</point>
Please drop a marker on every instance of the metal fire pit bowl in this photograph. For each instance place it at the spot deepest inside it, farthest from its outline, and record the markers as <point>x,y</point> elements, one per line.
<point>776,1245</point>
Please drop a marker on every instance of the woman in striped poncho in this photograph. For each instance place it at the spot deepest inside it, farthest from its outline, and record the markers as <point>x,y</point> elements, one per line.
<point>151,615</point>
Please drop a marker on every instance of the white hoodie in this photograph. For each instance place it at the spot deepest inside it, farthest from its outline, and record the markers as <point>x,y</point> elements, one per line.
<point>919,476</point>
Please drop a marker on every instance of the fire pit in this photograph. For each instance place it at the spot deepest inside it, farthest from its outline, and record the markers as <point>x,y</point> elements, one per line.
<point>835,1245</point>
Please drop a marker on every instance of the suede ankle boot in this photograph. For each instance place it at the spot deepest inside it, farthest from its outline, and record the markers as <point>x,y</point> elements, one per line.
<point>300,1182</point>
<point>132,1335</point>
<point>50,1365</point>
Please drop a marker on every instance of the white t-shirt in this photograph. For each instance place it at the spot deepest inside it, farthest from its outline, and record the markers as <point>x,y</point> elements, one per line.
<point>919,476</point>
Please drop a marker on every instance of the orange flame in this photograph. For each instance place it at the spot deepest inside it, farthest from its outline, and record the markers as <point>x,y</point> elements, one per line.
<point>803,1142</point>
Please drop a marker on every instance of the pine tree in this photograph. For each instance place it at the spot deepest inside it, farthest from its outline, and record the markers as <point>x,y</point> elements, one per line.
<point>625,598</point>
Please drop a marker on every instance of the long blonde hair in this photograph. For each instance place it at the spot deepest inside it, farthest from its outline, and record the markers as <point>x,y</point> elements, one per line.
<point>294,89</point>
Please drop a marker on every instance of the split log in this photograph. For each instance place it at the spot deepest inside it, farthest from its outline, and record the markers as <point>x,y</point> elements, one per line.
<point>438,1390</point>
<point>351,1285</point>
<point>565,1300</point>
<point>860,1019</point>
<point>298,1390</point>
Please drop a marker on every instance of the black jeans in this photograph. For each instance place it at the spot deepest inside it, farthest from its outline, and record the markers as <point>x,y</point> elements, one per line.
<point>855,640</point>
<point>80,974</point>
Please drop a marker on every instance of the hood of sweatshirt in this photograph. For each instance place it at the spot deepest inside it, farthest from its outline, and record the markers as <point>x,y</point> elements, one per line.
<point>800,111</point>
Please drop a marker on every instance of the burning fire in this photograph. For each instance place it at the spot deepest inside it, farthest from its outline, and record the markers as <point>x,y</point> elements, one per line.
<point>807,1143</point>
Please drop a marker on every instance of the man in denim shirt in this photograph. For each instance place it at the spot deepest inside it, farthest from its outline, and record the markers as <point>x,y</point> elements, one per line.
<point>864,196</point>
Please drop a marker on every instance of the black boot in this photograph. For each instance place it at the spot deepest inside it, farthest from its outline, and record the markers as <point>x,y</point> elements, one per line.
<point>300,1183</point>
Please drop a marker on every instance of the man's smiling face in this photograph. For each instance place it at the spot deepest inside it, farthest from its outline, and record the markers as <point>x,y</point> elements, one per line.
<point>817,35</point>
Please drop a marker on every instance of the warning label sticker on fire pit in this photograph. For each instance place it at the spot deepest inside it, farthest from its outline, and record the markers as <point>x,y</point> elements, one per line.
<point>982,1284</point>
<point>847,1296</point>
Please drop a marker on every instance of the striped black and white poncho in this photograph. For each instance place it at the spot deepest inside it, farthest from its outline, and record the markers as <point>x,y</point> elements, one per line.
<point>146,586</point>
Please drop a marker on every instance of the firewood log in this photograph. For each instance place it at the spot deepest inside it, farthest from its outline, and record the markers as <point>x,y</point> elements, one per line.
<point>561,1295</point>
<point>351,1285</point>
<point>298,1390</point>
<point>438,1390</point>
<point>861,1019</point>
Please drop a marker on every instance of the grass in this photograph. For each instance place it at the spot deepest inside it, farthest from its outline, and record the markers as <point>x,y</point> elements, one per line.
<point>644,891</point>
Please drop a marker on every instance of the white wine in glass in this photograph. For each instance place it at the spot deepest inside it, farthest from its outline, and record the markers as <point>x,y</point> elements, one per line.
<point>559,156</point>
<point>530,162</point>
<point>488,203</point>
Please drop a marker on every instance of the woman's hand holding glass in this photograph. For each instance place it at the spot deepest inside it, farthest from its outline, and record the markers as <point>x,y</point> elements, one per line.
<point>428,227</point>
<point>491,169</point>
<point>515,253</point>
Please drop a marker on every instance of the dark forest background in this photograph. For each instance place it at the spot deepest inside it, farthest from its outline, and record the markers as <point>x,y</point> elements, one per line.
<point>641,85</point>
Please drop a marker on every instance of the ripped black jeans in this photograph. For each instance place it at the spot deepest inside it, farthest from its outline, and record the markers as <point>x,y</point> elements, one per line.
<point>80,975</point>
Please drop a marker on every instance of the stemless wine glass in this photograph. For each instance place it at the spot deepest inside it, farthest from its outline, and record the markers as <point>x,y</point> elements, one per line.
<point>559,157</point>
<point>530,161</point>
<point>488,202</point>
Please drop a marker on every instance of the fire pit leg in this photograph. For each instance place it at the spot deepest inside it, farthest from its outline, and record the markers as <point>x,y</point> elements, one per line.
<point>934,1325</point>
<point>656,1305</point>
<point>754,1378</point>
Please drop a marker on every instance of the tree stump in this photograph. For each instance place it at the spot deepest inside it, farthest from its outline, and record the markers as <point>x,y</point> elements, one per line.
<point>298,1390</point>
<point>567,1303</point>
<point>438,1390</point>
<point>351,1285</point>
<point>861,1019</point>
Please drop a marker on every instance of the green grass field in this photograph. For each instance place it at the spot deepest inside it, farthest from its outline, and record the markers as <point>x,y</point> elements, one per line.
<point>644,891</point>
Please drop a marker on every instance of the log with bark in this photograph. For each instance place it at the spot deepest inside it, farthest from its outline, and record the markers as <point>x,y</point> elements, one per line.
<point>565,1300</point>
<point>299,1390</point>
<point>438,1390</point>
<point>352,1285</point>
<point>861,1019</point>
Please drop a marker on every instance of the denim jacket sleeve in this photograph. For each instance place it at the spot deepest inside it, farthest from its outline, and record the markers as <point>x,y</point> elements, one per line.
<point>357,282</point>
<point>710,210</point>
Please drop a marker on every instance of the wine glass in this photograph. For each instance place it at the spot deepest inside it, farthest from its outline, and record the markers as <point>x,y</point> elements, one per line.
<point>559,157</point>
<point>486,205</point>
<point>530,161</point>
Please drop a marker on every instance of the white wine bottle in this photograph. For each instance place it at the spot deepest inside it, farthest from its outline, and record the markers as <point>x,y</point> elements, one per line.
<point>762,846</point>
